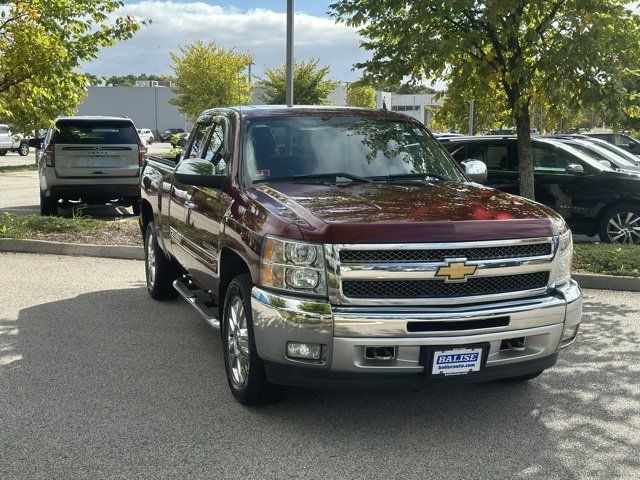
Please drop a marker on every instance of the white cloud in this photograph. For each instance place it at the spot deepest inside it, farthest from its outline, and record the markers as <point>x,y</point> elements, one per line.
<point>258,31</point>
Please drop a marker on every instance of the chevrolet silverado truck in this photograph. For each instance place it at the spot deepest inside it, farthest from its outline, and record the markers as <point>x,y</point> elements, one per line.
<point>344,247</point>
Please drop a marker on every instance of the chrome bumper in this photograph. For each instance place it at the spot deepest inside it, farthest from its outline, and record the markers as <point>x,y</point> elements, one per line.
<point>345,332</point>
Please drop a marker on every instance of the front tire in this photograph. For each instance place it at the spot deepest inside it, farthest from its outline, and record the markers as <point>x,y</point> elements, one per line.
<point>48,206</point>
<point>245,370</point>
<point>3,153</point>
<point>160,272</point>
<point>621,224</point>
<point>23,151</point>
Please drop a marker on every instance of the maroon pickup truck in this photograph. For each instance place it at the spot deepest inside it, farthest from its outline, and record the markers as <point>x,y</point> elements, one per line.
<point>344,247</point>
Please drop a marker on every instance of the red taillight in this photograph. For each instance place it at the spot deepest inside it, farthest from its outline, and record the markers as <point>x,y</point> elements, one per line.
<point>49,156</point>
<point>142,155</point>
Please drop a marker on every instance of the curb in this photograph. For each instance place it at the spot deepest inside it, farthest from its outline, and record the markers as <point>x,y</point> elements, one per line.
<point>123,252</point>
<point>607,282</point>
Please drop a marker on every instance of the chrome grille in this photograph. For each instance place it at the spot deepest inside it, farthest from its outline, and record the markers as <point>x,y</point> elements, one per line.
<point>406,274</point>
<point>438,255</point>
<point>438,288</point>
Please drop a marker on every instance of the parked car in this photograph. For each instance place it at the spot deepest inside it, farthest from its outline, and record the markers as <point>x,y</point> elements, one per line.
<point>10,142</point>
<point>621,140</point>
<point>168,133</point>
<point>344,247</point>
<point>592,197</point>
<point>628,156</point>
<point>146,136</point>
<point>95,160</point>
<point>603,155</point>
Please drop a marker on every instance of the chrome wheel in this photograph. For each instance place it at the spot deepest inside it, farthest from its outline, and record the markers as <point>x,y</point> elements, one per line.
<point>150,263</point>
<point>624,227</point>
<point>237,343</point>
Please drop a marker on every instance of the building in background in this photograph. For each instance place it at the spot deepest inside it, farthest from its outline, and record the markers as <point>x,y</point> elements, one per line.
<point>147,104</point>
<point>148,107</point>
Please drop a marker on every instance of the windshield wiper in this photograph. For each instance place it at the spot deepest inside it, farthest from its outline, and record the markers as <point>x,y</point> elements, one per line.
<point>316,176</point>
<point>409,176</point>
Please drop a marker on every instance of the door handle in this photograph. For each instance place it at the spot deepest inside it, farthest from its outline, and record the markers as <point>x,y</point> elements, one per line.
<point>189,205</point>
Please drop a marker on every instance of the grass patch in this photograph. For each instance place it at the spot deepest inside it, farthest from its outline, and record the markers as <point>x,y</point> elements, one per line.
<point>35,226</point>
<point>608,259</point>
<point>18,168</point>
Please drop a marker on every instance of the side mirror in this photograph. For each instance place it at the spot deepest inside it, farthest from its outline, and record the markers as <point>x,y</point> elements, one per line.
<point>574,168</point>
<point>199,173</point>
<point>35,143</point>
<point>476,170</point>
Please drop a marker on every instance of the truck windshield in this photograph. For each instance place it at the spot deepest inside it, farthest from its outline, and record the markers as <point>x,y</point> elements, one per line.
<point>296,146</point>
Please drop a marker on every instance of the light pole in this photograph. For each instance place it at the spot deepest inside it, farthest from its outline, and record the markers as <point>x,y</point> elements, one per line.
<point>289,67</point>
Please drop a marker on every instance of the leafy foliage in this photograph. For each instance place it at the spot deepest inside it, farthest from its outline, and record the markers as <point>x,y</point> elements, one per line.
<point>580,52</point>
<point>361,96</point>
<point>208,76</point>
<point>42,44</point>
<point>609,259</point>
<point>310,84</point>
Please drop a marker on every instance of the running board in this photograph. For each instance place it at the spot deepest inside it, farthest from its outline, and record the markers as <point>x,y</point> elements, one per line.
<point>193,294</point>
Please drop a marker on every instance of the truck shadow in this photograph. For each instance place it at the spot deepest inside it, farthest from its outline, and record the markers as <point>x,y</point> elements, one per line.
<point>110,368</point>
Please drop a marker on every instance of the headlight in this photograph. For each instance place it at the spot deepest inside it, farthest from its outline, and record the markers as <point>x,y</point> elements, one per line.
<point>565,258</point>
<point>293,265</point>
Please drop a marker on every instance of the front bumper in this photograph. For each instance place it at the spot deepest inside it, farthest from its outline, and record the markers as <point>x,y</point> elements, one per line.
<point>345,332</point>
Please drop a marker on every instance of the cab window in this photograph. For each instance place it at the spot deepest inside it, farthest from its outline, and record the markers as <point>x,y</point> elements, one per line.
<point>550,161</point>
<point>213,149</point>
<point>199,136</point>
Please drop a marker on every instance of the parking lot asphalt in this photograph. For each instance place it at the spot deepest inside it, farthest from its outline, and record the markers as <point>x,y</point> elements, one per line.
<point>97,380</point>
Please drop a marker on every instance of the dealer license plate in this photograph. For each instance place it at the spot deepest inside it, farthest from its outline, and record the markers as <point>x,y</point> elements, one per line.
<point>457,361</point>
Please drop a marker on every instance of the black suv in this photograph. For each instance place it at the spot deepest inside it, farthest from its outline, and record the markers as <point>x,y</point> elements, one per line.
<point>593,198</point>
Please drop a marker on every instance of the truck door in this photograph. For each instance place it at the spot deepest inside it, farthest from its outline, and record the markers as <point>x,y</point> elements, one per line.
<point>179,196</point>
<point>204,212</point>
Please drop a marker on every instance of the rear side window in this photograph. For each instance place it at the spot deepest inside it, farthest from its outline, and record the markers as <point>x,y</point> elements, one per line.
<point>4,129</point>
<point>550,161</point>
<point>102,132</point>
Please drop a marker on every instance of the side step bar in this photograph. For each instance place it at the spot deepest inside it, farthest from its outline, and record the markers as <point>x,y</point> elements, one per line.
<point>196,298</point>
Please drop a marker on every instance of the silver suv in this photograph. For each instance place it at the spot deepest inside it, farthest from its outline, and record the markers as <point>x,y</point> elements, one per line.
<point>95,160</point>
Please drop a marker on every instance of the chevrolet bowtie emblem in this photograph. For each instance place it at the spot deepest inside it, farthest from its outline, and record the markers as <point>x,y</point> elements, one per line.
<point>456,271</point>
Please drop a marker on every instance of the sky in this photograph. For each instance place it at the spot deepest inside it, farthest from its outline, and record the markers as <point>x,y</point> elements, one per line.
<point>257,27</point>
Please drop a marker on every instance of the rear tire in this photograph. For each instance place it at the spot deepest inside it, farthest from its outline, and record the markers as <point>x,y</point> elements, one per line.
<point>23,151</point>
<point>159,270</point>
<point>48,206</point>
<point>245,370</point>
<point>620,224</point>
<point>3,153</point>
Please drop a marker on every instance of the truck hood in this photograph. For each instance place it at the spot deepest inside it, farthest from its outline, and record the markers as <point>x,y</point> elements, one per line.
<point>407,212</point>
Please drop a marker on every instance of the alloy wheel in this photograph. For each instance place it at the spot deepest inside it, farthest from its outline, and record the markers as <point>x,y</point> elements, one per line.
<point>151,262</point>
<point>624,227</point>
<point>237,343</point>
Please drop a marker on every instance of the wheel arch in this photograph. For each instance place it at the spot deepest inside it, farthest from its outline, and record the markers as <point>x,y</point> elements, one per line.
<point>616,203</point>
<point>231,265</point>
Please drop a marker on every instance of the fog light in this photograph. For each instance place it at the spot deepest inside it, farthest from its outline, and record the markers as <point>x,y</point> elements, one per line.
<point>569,333</point>
<point>306,351</point>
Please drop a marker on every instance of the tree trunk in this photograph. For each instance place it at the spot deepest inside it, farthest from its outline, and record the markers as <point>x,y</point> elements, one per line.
<point>523,128</point>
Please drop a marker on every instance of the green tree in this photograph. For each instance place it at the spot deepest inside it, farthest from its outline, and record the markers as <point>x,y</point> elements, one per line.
<point>361,96</point>
<point>208,76</point>
<point>42,45</point>
<point>310,84</point>
<point>529,46</point>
